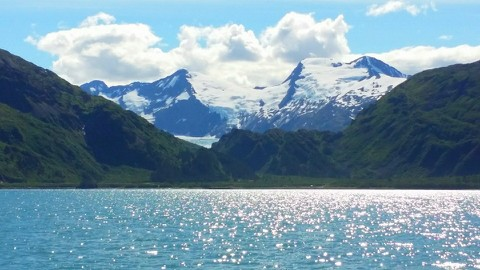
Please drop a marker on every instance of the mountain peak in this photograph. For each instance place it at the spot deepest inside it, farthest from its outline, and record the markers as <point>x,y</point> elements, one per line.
<point>376,67</point>
<point>182,73</point>
<point>94,87</point>
<point>296,73</point>
<point>179,75</point>
<point>178,79</point>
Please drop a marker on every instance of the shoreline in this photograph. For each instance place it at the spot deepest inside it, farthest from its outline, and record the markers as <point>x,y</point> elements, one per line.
<point>264,182</point>
<point>233,187</point>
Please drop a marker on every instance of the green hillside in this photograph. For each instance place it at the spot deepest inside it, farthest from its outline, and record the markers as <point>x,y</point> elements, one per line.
<point>427,126</point>
<point>305,153</point>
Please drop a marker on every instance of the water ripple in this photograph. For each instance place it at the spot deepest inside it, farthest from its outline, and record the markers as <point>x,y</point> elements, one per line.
<point>215,229</point>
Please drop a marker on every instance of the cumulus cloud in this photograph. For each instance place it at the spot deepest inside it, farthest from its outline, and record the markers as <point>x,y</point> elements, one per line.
<point>399,5</point>
<point>297,36</point>
<point>100,48</point>
<point>411,60</point>
<point>201,45</point>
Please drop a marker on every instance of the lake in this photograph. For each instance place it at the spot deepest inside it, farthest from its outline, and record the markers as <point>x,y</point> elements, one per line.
<point>241,229</point>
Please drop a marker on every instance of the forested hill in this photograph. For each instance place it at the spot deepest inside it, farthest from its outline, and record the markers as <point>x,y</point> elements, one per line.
<point>427,126</point>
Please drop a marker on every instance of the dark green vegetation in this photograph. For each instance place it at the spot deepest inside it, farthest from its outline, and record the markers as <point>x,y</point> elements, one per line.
<point>427,128</point>
<point>276,152</point>
<point>423,134</point>
<point>54,134</point>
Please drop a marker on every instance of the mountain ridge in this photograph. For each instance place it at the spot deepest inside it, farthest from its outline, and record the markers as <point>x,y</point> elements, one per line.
<point>307,98</point>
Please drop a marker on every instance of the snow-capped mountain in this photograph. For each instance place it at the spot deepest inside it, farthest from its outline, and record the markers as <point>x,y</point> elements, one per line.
<point>319,94</point>
<point>325,95</point>
<point>170,104</point>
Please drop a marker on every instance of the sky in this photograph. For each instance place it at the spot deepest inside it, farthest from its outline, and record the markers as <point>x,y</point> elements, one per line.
<point>250,42</point>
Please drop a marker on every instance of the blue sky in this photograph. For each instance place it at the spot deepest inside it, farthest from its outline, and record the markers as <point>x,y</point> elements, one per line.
<point>144,40</point>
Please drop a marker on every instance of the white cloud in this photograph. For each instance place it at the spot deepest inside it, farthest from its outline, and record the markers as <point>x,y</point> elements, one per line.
<point>297,36</point>
<point>31,40</point>
<point>411,60</point>
<point>100,48</point>
<point>399,5</point>
<point>100,18</point>
<point>445,37</point>
<point>201,45</point>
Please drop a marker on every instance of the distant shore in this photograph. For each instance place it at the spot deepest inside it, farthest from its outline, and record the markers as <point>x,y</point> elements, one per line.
<point>274,182</point>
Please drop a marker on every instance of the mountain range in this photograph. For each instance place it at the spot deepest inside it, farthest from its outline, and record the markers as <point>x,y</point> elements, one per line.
<point>319,94</point>
<point>54,134</point>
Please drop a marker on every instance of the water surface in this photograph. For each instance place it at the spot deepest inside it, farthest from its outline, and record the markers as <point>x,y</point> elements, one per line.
<point>242,229</point>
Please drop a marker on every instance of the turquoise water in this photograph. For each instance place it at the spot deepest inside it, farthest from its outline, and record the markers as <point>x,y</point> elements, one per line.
<point>241,229</point>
